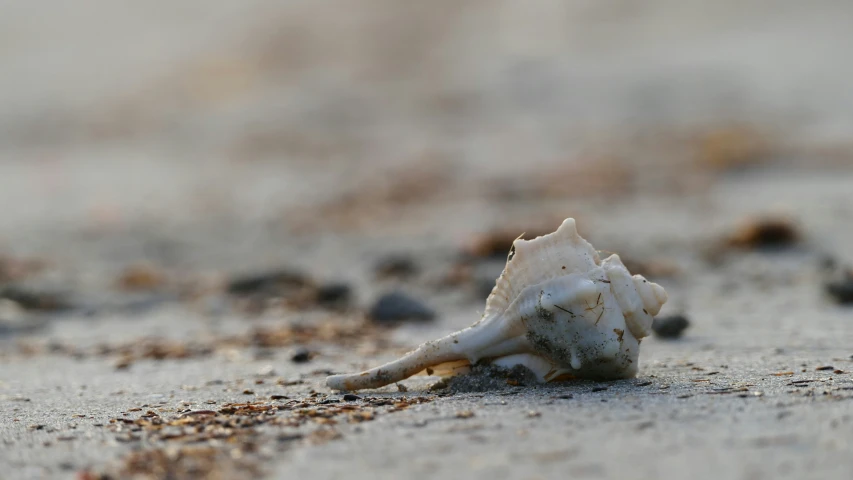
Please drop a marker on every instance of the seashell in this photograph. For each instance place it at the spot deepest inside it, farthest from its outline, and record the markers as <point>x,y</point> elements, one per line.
<point>557,309</point>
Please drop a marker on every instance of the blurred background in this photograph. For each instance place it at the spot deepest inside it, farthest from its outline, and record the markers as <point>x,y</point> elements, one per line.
<point>237,135</point>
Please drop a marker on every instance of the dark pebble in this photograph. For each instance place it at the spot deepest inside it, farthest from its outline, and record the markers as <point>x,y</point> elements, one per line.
<point>289,437</point>
<point>268,282</point>
<point>670,327</point>
<point>599,389</point>
<point>395,266</point>
<point>334,295</point>
<point>766,234</point>
<point>301,356</point>
<point>841,290</point>
<point>349,397</point>
<point>396,307</point>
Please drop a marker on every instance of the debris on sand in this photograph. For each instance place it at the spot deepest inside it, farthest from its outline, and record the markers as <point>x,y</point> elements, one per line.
<point>33,299</point>
<point>733,147</point>
<point>184,462</point>
<point>273,282</point>
<point>14,269</point>
<point>13,319</point>
<point>770,232</point>
<point>396,307</point>
<point>291,287</point>
<point>224,443</point>
<point>841,288</point>
<point>670,327</point>
<point>140,277</point>
<point>302,355</point>
<point>395,266</point>
<point>355,334</point>
<point>334,296</point>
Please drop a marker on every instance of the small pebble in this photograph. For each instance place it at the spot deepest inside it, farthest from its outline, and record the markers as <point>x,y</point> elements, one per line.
<point>670,327</point>
<point>396,307</point>
<point>766,233</point>
<point>301,356</point>
<point>841,289</point>
<point>334,295</point>
<point>349,397</point>
<point>267,281</point>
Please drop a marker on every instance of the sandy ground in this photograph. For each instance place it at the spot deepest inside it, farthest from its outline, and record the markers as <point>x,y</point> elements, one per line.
<point>707,405</point>
<point>247,138</point>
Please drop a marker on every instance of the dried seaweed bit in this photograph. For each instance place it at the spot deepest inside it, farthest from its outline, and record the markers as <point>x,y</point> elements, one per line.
<point>765,233</point>
<point>733,147</point>
<point>670,327</point>
<point>323,435</point>
<point>140,277</point>
<point>350,333</point>
<point>124,362</point>
<point>185,462</point>
<point>335,296</point>
<point>395,266</point>
<point>273,282</point>
<point>397,307</point>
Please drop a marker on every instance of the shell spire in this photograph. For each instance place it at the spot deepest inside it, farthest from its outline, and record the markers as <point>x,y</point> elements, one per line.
<point>573,255</point>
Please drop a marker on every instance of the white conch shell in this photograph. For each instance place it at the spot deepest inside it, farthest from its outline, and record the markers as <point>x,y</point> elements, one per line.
<point>556,308</point>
